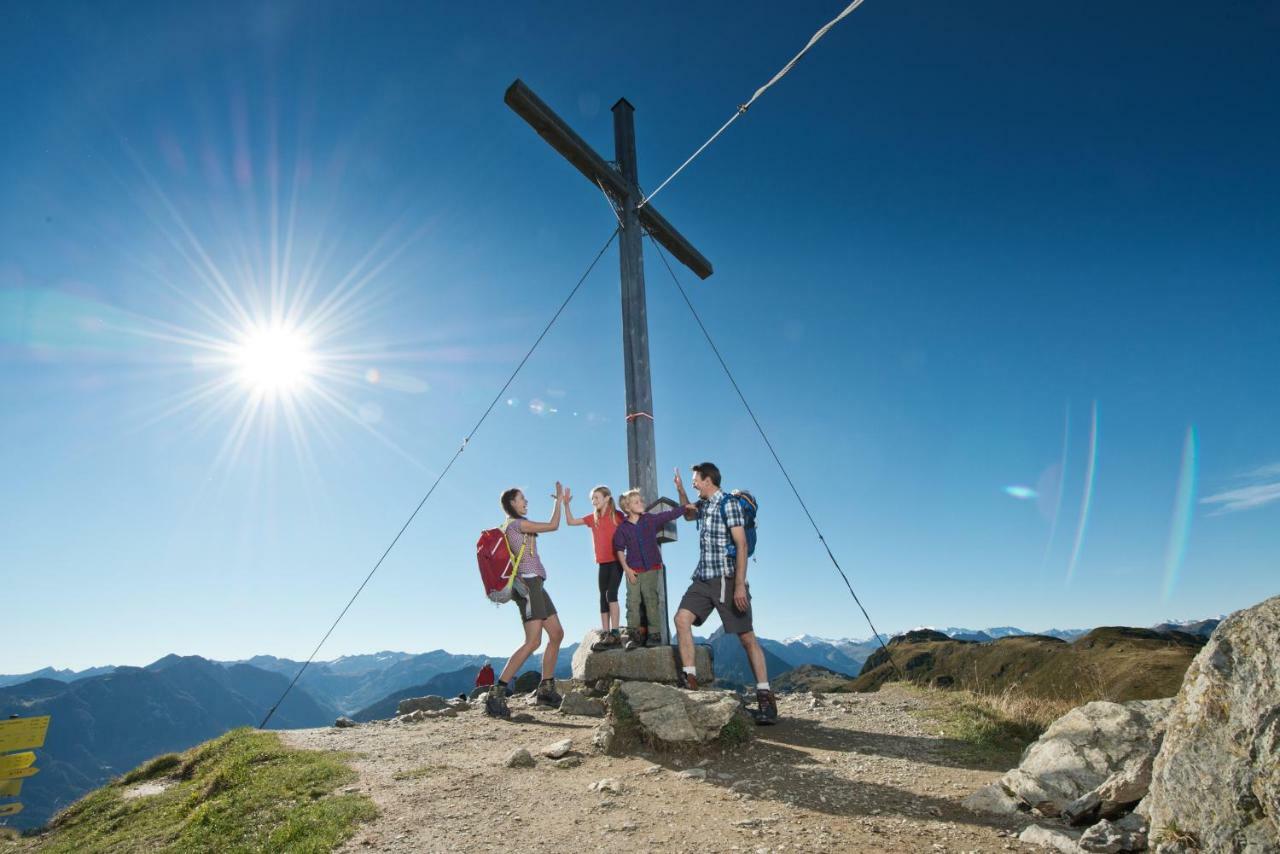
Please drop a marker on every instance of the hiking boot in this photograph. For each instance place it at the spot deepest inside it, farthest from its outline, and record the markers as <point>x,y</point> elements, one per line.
<point>766,713</point>
<point>546,695</point>
<point>495,704</point>
<point>654,639</point>
<point>687,681</point>
<point>609,640</point>
<point>635,640</point>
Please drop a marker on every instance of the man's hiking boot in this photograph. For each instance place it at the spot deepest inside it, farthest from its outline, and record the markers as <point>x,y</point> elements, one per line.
<point>635,639</point>
<point>609,640</point>
<point>654,639</point>
<point>547,695</point>
<point>766,713</point>
<point>687,681</point>
<point>495,703</point>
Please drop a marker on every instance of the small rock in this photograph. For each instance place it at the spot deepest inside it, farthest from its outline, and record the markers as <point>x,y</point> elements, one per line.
<point>629,826</point>
<point>344,722</point>
<point>577,703</point>
<point>652,771</point>
<point>604,737</point>
<point>429,703</point>
<point>568,762</point>
<point>520,758</point>
<point>1111,837</point>
<point>693,774</point>
<point>413,717</point>
<point>557,750</point>
<point>526,682</point>
<point>1056,839</point>
<point>607,785</point>
<point>993,799</point>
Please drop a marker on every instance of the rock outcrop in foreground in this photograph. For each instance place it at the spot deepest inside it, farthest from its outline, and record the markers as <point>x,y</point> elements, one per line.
<point>1216,782</point>
<point>667,718</point>
<point>1205,764</point>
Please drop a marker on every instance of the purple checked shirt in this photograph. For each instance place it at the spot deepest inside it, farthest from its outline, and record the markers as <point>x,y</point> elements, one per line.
<point>639,539</point>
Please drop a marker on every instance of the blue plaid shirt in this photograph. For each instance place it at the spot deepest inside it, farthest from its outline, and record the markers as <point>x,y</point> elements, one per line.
<point>713,537</point>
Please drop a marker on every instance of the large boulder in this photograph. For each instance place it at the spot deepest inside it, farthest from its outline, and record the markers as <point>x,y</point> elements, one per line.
<point>1090,756</point>
<point>1217,776</point>
<point>663,717</point>
<point>647,664</point>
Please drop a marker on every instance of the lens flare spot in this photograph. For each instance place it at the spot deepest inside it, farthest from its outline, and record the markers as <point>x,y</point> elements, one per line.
<point>1183,504</point>
<point>1022,493</point>
<point>1086,497</point>
<point>373,376</point>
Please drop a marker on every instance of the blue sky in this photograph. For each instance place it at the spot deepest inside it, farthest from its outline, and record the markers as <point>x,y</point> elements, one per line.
<point>951,232</point>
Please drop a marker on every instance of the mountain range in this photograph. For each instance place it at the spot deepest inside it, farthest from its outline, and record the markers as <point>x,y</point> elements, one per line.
<point>106,720</point>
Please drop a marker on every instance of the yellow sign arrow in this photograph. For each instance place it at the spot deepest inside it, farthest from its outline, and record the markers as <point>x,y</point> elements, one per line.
<point>23,733</point>
<point>19,773</point>
<point>10,809</point>
<point>17,760</point>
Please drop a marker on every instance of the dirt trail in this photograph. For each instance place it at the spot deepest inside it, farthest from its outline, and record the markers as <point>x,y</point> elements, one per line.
<point>856,772</point>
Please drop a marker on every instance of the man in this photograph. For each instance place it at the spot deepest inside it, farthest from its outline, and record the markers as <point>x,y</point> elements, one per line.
<point>720,582</point>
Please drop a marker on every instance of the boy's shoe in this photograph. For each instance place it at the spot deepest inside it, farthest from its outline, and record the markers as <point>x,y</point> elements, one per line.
<point>608,640</point>
<point>546,695</point>
<point>495,704</point>
<point>687,681</point>
<point>635,640</point>
<point>766,713</point>
<point>654,639</point>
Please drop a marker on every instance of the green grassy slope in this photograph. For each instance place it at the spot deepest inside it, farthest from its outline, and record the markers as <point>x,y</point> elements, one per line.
<point>243,792</point>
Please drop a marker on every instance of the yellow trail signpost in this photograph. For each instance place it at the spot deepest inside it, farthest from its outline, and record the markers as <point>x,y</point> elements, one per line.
<point>19,734</point>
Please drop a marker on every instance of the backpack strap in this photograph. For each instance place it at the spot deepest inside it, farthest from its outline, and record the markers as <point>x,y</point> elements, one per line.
<point>515,569</point>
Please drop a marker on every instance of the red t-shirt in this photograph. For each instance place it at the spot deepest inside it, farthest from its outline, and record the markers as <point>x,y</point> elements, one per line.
<point>603,534</point>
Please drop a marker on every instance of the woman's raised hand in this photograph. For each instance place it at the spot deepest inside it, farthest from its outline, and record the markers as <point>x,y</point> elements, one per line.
<point>559,492</point>
<point>568,495</point>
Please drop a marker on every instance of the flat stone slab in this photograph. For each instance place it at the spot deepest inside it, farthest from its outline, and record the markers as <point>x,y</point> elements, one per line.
<point>648,664</point>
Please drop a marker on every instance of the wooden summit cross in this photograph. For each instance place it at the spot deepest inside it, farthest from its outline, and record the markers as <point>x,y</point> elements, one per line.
<point>622,186</point>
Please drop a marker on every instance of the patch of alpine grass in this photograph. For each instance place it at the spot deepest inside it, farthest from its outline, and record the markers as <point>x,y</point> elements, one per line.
<point>243,792</point>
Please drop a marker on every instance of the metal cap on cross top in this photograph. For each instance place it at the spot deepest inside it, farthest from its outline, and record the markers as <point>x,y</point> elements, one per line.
<point>622,185</point>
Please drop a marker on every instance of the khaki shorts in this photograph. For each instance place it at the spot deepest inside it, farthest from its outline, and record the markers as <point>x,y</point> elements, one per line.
<point>532,599</point>
<point>703,597</point>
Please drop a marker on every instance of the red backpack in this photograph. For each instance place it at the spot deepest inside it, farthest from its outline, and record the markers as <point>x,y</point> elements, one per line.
<point>497,565</point>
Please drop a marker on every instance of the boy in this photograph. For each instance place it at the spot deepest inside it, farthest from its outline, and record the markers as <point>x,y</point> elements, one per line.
<point>636,545</point>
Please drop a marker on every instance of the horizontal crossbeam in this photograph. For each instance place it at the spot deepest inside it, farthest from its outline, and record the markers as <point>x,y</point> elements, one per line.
<point>584,158</point>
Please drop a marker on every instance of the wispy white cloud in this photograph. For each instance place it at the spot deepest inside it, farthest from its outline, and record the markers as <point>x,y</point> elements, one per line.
<point>1263,489</point>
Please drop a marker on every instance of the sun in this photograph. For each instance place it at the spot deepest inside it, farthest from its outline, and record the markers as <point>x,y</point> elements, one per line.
<point>274,360</point>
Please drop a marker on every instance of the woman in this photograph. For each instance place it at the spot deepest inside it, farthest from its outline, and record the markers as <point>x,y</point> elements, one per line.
<point>537,612</point>
<point>603,521</point>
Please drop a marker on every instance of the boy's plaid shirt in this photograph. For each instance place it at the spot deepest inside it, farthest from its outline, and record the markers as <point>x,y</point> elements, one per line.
<point>713,537</point>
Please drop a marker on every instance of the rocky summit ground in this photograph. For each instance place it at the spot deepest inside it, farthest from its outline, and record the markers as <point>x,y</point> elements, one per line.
<point>855,772</point>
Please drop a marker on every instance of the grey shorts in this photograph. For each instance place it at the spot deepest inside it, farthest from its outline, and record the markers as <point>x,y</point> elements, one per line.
<point>532,599</point>
<point>704,596</point>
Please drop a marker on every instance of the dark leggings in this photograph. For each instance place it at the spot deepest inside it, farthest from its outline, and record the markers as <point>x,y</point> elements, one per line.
<point>610,579</point>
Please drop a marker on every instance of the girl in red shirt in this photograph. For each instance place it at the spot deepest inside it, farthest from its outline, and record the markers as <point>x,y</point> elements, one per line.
<point>603,522</point>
